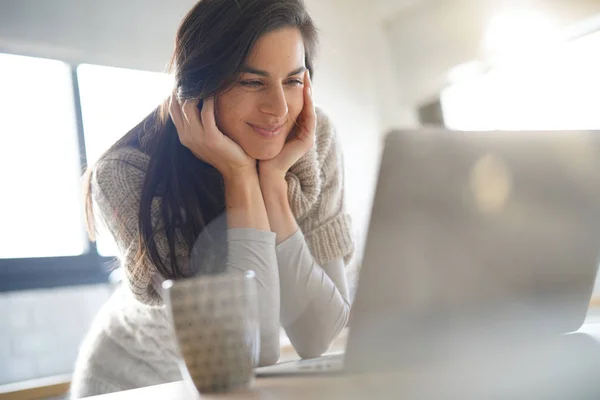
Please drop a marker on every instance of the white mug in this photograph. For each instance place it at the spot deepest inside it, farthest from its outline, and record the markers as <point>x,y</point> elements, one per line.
<point>216,324</point>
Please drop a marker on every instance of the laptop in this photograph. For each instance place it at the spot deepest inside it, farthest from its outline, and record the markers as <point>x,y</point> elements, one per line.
<point>477,241</point>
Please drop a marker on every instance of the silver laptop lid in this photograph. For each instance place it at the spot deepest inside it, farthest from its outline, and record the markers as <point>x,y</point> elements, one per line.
<point>473,233</point>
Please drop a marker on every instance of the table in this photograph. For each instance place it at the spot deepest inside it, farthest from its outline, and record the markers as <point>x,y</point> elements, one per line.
<point>371,386</point>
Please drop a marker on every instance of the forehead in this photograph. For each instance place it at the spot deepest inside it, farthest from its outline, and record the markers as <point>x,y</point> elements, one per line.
<point>282,49</point>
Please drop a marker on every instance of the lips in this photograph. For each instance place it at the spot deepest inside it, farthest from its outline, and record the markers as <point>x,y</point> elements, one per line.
<point>267,131</point>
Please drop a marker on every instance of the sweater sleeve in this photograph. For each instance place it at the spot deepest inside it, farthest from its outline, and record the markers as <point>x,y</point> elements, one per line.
<point>116,192</point>
<point>310,301</point>
<point>314,299</point>
<point>252,249</point>
<point>316,193</point>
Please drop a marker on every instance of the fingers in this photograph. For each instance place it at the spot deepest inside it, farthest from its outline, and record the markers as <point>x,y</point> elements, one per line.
<point>191,114</point>
<point>208,117</point>
<point>186,119</point>
<point>309,116</point>
<point>175,112</point>
<point>303,141</point>
<point>307,120</point>
<point>308,85</point>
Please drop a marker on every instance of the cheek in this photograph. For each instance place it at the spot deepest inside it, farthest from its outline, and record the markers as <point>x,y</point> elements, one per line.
<point>295,104</point>
<point>231,108</point>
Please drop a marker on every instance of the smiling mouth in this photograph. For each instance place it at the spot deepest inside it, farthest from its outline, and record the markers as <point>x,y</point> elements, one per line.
<point>268,131</point>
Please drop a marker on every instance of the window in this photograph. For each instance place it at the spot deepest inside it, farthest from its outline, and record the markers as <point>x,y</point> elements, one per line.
<point>39,163</point>
<point>47,106</point>
<point>113,100</point>
<point>558,91</point>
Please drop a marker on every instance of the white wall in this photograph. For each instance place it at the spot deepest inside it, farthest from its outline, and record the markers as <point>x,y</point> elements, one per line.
<point>136,33</point>
<point>430,37</point>
<point>346,87</point>
<point>354,83</point>
<point>40,330</point>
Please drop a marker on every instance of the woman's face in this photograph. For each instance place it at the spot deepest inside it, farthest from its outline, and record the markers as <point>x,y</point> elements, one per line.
<point>261,108</point>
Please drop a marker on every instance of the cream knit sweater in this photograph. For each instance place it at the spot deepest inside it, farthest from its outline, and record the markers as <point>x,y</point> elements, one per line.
<point>131,343</point>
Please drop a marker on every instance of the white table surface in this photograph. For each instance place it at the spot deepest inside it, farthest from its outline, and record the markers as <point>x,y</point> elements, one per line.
<point>283,387</point>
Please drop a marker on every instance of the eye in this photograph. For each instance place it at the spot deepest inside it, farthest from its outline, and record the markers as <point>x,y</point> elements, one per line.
<point>251,84</point>
<point>295,82</point>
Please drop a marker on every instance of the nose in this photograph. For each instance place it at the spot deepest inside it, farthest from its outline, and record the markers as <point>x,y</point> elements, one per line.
<point>274,102</point>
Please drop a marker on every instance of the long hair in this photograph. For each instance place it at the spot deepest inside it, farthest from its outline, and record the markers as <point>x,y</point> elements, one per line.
<point>211,45</point>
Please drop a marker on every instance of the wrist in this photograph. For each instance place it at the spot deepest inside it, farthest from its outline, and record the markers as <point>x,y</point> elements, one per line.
<point>281,218</point>
<point>268,172</point>
<point>240,176</point>
<point>244,202</point>
<point>270,175</point>
<point>273,185</point>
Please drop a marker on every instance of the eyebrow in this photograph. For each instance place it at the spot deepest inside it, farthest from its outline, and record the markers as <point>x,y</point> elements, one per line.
<point>250,70</point>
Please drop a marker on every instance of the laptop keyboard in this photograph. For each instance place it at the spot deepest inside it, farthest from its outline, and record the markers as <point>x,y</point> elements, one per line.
<point>330,362</point>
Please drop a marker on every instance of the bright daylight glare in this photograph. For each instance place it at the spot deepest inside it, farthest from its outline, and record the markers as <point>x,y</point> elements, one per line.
<point>113,100</point>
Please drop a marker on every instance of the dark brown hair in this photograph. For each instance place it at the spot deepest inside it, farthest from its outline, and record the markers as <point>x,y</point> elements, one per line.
<point>212,43</point>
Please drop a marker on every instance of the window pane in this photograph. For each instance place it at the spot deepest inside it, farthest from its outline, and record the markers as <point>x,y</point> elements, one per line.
<point>114,100</point>
<point>41,209</point>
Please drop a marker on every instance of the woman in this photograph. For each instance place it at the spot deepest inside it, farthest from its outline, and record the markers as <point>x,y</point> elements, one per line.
<point>238,164</point>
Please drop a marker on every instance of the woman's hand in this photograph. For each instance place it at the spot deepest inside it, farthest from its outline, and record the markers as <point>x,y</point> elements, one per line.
<point>198,132</point>
<point>299,144</point>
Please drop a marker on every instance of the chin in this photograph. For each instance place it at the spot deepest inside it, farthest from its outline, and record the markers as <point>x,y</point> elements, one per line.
<point>265,154</point>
